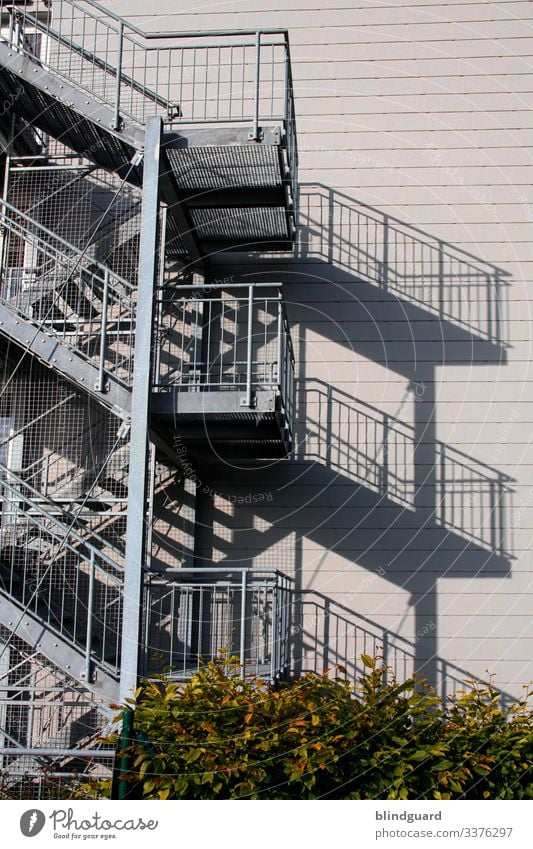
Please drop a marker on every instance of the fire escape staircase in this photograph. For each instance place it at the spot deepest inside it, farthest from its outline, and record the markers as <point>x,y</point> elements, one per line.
<point>71,313</point>
<point>62,589</point>
<point>227,181</point>
<point>228,170</point>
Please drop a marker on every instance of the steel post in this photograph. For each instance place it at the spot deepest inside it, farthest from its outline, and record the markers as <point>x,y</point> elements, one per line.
<point>280,375</point>
<point>255,131</point>
<point>89,631</point>
<point>274,635</point>
<point>119,75</point>
<point>103,333</point>
<point>249,348</point>
<point>135,555</point>
<point>242,648</point>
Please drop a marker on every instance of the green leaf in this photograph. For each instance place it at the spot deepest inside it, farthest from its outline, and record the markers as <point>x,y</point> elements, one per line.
<point>420,755</point>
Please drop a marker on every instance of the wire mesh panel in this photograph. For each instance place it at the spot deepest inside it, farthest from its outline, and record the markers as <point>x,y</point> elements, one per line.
<point>62,288</point>
<point>44,710</point>
<point>192,617</point>
<point>63,490</point>
<point>198,77</point>
<point>52,573</point>
<point>63,446</point>
<point>90,208</point>
<point>223,341</point>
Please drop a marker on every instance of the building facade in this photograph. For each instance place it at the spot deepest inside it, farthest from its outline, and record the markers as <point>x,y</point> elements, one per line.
<point>264,322</point>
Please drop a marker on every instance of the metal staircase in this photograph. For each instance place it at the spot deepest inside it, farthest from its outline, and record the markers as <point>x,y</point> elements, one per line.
<point>72,313</point>
<point>61,590</point>
<point>229,158</point>
<point>111,346</point>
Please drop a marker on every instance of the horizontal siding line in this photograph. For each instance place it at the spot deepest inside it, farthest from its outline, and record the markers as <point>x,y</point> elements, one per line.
<point>426,166</point>
<point>406,170</point>
<point>409,39</point>
<point>330,91</point>
<point>361,26</point>
<point>298,24</point>
<point>422,203</point>
<point>352,6</point>
<point>398,73</point>
<point>334,130</point>
<point>213,11</point>
<point>407,110</point>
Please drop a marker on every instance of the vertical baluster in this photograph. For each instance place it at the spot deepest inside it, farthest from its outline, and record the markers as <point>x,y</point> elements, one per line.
<point>249,350</point>
<point>242,647</point>
<point>118,81</point>
<point>89,629</point>
<point>103,333</point>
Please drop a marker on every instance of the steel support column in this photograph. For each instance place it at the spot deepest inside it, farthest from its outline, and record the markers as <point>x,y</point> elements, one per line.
<point>138,475</point>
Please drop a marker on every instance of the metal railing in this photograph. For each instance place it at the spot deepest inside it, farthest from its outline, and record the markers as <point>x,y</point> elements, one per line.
<point>49,726</point>
<point>55,574</point>
<point>64,292</point>
<point>192,615</point>
<point>188,77</point>
<point>74,517</point>
<point>220,341</point>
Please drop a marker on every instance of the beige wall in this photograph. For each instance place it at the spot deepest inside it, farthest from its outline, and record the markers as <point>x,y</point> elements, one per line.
<point>410,497</point>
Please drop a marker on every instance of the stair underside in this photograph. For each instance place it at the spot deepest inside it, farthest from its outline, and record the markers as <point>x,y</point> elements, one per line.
<point>52,353</point>
<point>216,422</point>
<point>232,189</point>
<point>64,655</point>
<point>66,113</point>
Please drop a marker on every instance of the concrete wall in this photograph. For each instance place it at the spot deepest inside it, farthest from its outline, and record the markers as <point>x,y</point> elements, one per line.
<point>407,512</point>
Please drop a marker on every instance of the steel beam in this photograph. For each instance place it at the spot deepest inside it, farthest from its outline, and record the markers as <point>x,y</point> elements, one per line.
<point>65,655</point>
<point>170,193</point>
<point>235,198</point>
<point>135,554</point>
<point>52,85</point>
<point>52,353</point>
<point>181,403</point>
<point>214,136</point>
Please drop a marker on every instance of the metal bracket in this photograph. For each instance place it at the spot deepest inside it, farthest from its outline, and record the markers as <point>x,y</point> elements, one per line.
<point>174,111</point>
<point>257,137</point>
<point>124,430</point>
<point>90,679</point>
<point>243,402</point>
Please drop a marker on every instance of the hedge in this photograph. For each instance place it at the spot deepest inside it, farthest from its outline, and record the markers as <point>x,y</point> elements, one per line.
<point>220,737</point>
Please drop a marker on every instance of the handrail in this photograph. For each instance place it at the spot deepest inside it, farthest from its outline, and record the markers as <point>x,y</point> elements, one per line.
<point>68,532</point>
<point>195,288</point>
<point>68,245</point>
<point>179,79</point>
<point>212,570</point>
<point>175,34</point>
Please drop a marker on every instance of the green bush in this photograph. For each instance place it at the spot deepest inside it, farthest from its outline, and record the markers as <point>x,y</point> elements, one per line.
<point>219,737</point>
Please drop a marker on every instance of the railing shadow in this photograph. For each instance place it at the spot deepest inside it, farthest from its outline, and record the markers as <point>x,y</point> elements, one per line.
<point>334,635</point>
<point>402,259</point>
<point>374,494</point>
<point>378,450</point>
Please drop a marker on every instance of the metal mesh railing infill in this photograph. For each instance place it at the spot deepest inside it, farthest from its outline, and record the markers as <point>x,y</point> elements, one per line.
<point>192,615</point>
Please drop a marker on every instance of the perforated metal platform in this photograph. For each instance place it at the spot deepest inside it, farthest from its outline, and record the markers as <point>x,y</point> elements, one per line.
<point>216,422</point>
